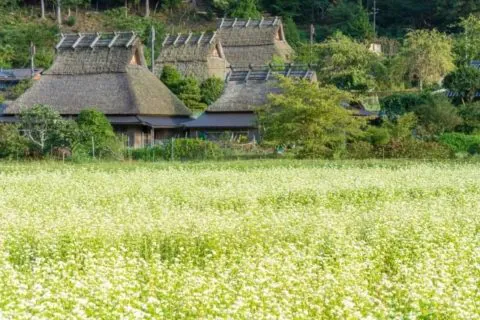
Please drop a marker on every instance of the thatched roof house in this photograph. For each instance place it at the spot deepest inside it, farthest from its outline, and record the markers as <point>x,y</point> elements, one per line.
<point>253,42</point>
<point>200,55</point>
<point>108,72</point>
<point>245,91</point>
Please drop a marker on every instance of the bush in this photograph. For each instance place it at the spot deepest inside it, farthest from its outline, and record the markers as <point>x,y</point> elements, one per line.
<point>470,114</point>
<point>398,104</point>
<point>414,149</point>
<point>191,149</point>
<point>461,143</point>
<point>360,150</point>
<point>189,92</point>
<point>171,78</point>
<point>12,144</point>
<point>436,116</point>
<point>71,21</point>
<point>151,153</point>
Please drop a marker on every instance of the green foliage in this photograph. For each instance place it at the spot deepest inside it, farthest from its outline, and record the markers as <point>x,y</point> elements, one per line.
<point>245,9</point>
<point>150,153</point>
<point>310,118</point>
<point>190,93</point>
<point>470,114</point>
<point>191,149</point>
<point>291,32</point>
<point>436,116</point>
<point>211,90</point>
<point>342,62</point>
<point>467,44</point>
<point>426,57</point>
<point>12,144</point>
<point>461,143</point>
<point>7,54</point>
<point>96,135</point>
<point>351,19</point>
<point>19,89</point>
<point>71,21</point>
<point>15,40</point>
<point>171,4</point>
<point>465,81</point>
<point>398,104</point>
<point>171,78</point>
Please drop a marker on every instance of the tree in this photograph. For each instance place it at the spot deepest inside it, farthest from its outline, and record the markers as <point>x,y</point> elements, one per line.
<point>310,118</point>
<point>351,19</point>
<point>426,56</point>
<point>398,104</point>
<point>171,78</point>
<point>245,9</point>
<point>189,92</point>
<point>343,62</point>
<point>45,129</point>
<point>465,81</point>
<point>211,90</point>
<point>467,44</point>
<point>59,13</point>
<point>42,8</point>
<point>147,8</point>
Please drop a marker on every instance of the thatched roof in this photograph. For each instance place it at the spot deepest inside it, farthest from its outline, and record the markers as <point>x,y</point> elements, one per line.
<point>246,90</point>
<point>106,72</point>
<point>253,42</point>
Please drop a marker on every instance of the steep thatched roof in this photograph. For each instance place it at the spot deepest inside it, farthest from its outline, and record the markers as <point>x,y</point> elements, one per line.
<point>103,71</point>
<point>253,42</point>
<point>248,89</point>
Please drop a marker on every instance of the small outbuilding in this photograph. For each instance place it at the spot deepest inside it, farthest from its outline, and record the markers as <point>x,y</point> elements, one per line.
<point>107,71</point>
<point>197,55</point>
<point>253,42</point>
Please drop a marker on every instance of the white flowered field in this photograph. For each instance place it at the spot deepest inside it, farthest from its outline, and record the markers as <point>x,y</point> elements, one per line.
<point>242,240</point>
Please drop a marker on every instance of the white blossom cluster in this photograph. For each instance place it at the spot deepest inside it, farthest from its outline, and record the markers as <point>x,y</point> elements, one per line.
<point>255,240</point>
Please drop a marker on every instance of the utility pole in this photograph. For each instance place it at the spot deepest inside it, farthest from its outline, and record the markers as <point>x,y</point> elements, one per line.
<point>32,58</point>
<point>153,49</point>
<point>312,34</point>
<point>147,8</point>
<point>375,19</point>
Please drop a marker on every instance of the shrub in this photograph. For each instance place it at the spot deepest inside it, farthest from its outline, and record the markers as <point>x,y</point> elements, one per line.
<point>398,104</point>
<point>191,149</point>
<point>470,114</point>
<point>189,92</point>
<point>16,91</point>
<point>461,143</point>
<point>360,150</point>
<point>12,144</point>
<point>97,136</point>
<point>71,21</point>
<point>436,116</point>
<point>150,153</point>
<point>414,149</point>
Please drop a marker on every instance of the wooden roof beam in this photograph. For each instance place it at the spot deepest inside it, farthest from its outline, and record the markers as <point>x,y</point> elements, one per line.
<point>77,42</point>
<point>275,21</point>
<point>94,42</point>
<point>176,39</point>
<point>213,37</point>
<point>165,40</point>
<point>130,42</point>
<point>234,22</point>
<point>190,34</point>
<point>261,22</point>
<point>221,24</point>
<point>112,42</point>
<point>268,74</point>
<point>200,38</point>
<point>61,41</point>
<point>248,22</point>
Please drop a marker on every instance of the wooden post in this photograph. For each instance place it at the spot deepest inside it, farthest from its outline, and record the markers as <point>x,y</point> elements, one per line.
<point>153,49</point>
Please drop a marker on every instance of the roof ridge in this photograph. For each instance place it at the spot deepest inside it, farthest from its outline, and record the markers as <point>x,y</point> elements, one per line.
<point>225,23</point>
<point>180,39</point>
